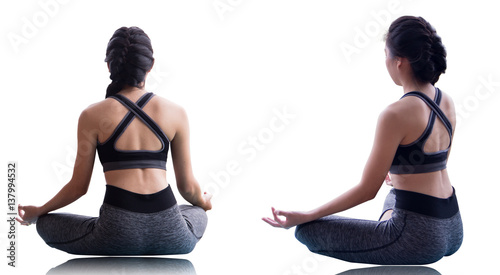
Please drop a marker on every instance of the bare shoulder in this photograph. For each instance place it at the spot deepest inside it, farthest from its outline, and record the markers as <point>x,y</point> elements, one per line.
<point>394,113</point>
<point>399,118</point>
<point>171,117</point>
<point>168,104</point>
<point>448,107</point>
<point>100,108</point>
<point>447,103</point>
<point>412,109</point>
<point>170,109</point>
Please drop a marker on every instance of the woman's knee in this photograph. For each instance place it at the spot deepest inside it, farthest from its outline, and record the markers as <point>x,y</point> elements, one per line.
<point>41,227</point>
<point>301,232</point>
<point>196,219</point>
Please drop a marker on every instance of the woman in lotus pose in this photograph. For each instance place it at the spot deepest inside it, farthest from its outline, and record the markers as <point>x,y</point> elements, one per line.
<point>421,221</point>
<point>131,130</point>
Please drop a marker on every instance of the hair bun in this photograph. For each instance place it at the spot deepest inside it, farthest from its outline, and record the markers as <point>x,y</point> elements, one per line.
<point>416,39</point>
<point>438,56</point>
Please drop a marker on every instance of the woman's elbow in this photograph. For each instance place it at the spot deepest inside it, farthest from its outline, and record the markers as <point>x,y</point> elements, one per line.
<point>83,191</point>
<point>79,192</point>
<point>79,188</point>
<point>370,196</point>
<point>185,188</point>
<point>368,193</point>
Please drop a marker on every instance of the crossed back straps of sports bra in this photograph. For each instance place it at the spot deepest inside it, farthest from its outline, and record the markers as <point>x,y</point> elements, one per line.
<point>115,159</point>
<point>411,158</point>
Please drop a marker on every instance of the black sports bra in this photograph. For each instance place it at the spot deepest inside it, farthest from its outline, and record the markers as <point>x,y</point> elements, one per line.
<point>114,159</point>
<point>411,158</point>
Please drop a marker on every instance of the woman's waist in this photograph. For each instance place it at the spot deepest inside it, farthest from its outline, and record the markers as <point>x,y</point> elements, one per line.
<point>436,184</point>
<point>141,181</point>
<point>137,202</point>
<point>424,204</point>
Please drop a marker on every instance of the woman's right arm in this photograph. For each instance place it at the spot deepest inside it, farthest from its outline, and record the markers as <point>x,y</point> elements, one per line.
<point>186,182</point>
<point>388,136</point>
<point>82,173</point>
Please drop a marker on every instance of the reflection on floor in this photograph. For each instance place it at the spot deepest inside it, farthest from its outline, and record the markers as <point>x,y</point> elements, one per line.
<point>396,270</point>
<point>125,265</point>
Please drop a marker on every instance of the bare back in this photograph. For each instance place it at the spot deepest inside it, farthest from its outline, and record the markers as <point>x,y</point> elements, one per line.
<point>107,115</point>
<point>416,116</point>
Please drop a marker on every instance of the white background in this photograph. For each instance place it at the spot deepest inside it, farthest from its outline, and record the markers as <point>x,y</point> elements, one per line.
<point>233,65</point>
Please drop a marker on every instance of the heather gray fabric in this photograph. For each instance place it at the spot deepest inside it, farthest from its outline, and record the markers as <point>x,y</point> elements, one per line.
<point>117,231</point>
<point>389,203</point>
<point>408,238</point>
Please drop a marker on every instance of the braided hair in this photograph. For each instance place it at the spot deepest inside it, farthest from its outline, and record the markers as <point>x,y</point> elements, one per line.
<point>415,39</point>
<point>130,57</point>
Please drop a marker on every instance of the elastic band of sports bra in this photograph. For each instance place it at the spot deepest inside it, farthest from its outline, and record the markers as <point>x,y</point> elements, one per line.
<point>131,164</point>
<point>427,205</point>
<point>139,203</point>
<point>418,169</point>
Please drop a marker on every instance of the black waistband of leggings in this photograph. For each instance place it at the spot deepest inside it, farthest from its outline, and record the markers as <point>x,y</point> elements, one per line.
<point>141,203</point>
<point>427,205</point>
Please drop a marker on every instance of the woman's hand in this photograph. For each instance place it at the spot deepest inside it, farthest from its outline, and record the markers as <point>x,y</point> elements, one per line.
<point>28,214</point>
<point>207,203</point>
<point>388,179</point>
<point>293,218</point>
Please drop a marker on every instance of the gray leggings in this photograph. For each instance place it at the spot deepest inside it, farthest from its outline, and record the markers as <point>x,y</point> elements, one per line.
<point>422,230</point>
<point>128,224</point>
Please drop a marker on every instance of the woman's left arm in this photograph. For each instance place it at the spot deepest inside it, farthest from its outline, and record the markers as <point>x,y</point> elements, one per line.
<point>82,172</point>
<point>388,136</point>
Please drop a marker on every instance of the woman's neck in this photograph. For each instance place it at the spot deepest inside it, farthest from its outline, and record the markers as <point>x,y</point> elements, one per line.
<point>426,88</point>
<point>129,90</point>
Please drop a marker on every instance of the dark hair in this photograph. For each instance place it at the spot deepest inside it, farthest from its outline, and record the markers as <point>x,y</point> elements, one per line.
<point>415,39</point>
<point>130,57</point>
